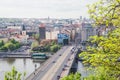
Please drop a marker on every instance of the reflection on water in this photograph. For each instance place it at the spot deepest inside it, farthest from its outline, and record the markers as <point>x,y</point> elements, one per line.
<point>83,70</point>
<point>10,61</point>
<point>22,65</point>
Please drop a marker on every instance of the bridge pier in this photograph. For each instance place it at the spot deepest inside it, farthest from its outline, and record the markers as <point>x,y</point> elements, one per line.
<point>75,62</point>
<point>74,68</point>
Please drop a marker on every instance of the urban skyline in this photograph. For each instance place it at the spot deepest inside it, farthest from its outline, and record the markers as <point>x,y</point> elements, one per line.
<point>43,9</point>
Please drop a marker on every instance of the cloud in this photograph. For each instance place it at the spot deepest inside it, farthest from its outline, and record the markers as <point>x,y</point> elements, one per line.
<point>44,8</point>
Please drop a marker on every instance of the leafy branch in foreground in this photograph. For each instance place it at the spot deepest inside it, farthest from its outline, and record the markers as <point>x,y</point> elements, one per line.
<point>105,54</point>
<point>13,75</point>
<point>76,76</point>
<point>105,12</point>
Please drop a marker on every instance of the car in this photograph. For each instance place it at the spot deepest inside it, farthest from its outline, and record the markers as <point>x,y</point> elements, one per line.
<point>53,61</point>
<point>63,69</point>
<point>59,54</point>
<point>58,77</point>
<point>66,65</point>
<point>19,51</point>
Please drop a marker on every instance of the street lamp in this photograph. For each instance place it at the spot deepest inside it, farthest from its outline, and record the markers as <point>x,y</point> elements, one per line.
<point>35,67</point>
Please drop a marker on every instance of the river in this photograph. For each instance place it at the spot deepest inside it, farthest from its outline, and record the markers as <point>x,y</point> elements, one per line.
<point>84,71</point>
<point>22,65</point>
<point>28,65</point>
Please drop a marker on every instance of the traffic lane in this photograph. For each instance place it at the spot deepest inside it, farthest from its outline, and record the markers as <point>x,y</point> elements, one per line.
<point>62,68</point>
<point>42,72</point>
<point>58,72</point>
<point>65,72</point>
<point>69,64</point>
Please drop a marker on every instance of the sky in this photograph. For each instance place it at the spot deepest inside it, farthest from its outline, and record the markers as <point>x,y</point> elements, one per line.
<point>44,8</point>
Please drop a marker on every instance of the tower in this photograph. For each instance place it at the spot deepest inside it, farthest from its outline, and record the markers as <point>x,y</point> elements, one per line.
<point>42,31</point>
<point>23,28</point>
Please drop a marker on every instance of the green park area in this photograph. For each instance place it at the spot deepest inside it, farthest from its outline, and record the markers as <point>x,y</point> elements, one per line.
<point>51,46</point>
<point>9,45</point>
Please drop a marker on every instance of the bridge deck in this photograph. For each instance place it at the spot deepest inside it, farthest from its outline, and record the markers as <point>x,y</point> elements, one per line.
<point>68,66</point>
<point>53,67</point>
<point>41,71</point>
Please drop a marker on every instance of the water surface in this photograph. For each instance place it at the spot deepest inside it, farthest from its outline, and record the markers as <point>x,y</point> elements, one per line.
<point>22,65</point>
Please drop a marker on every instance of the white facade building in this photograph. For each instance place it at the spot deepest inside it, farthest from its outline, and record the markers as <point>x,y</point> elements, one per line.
<point>52,34</point>
<point>14,27</point>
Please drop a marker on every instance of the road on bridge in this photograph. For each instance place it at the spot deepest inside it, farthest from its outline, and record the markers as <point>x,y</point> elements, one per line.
<point>53,67</point>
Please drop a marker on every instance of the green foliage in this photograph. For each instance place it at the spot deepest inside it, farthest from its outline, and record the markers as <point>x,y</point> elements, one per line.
<point>54,48</point>
<point>1,43</point>
<point>105,54</point>
<point>105,12</point>
<point>3,48</point>
<point>53,43</point>
<point>36,36</point>
<point>76,76</point>
<point>12,75</point>
<point>34,44</point>
<point>13,41</point>
<point>47,48</point>
<point>17,45</point>
<point>10,45</point>
<point>99,74</point>
<point>51,47</point>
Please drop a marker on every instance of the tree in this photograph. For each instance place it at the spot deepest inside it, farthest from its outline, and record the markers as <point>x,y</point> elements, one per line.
<point>12,75</point>
<point>55,48</point>
<point>105,52</point>
<point>37,37</point>
<point>104,56</point>
<point>10,46</point>
<point>13,41</point>
<point>17,45</point>
<point>1,43</point>
<point>34,44</point>
<point>47,47</point>
<point>76,76</point>
<point>53,43</point>
<point>105,12</point>
<point>3,48</point>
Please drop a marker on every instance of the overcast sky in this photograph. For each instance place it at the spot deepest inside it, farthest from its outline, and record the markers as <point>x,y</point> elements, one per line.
<point>44,8</point>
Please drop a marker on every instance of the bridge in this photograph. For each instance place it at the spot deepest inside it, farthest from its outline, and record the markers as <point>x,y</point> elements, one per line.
<point>56,67</point>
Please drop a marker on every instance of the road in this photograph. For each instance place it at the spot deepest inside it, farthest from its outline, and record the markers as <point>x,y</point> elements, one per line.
<point>69,64</point>
<point>53,66</point>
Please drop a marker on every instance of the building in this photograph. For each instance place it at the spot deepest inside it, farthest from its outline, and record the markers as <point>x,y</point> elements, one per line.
<point>51,34</point>
<point>63,38</point>
<point>42,31</point>
<point>86,31</point>
<point>20,38</point>
<point>14,27</point>
<point>30,33</point>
